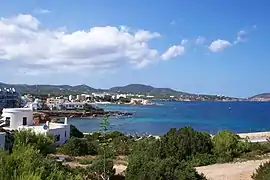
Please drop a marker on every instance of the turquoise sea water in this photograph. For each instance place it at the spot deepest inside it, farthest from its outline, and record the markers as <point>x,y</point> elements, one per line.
<point>202,116</point>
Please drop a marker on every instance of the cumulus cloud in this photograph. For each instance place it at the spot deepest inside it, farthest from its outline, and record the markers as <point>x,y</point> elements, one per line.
<point>219,45</point>
<point>25,43</point>
<point>173,52</point>
<point>200,40</point>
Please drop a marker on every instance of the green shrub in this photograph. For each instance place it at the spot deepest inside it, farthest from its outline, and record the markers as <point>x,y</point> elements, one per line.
<point>78,147</point>
<point>74,132</point>
<point>85,161</point>
<point>141,167</point>
<point>43,143</point>
<point>97,167</point>
<point>228,145</point>
<point>263,172</point>
<point>202,160</point>
<point>184,143</point>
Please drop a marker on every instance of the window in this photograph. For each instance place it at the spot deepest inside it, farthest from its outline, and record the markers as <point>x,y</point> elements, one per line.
<point>24,121</point>
<point>8,121</point>
<point>57,138</point>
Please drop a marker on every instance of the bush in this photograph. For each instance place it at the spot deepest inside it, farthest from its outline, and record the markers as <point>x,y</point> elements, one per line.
<point>78,147</point>
<point>228,145</point>
<point>85,161</point>
<point>263,172</point>
<point>27,163</point>
<point>184,143</point>
<point>43,143</point>
<point>202,160</point>
<point>74,132</point>
<point>141,167</point>
<point>96,169</point>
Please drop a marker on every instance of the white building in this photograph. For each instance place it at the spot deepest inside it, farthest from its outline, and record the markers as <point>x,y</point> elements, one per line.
<point>73,105</point>
<point>70,97</point>
<point>22,118</point>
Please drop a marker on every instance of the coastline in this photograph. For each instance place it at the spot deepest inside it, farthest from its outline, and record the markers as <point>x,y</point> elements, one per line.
<point>252,136</point>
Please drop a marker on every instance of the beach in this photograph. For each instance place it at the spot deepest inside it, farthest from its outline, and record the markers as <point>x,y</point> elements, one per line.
<point>231,171</point>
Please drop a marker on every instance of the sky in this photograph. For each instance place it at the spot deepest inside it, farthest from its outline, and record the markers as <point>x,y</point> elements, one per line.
<point>209,47</point>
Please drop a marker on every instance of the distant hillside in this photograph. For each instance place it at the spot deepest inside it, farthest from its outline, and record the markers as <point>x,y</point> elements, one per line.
<point>132,88</point>
<point>261,96</point>
<point>23,88</point>
<point>145,89</point>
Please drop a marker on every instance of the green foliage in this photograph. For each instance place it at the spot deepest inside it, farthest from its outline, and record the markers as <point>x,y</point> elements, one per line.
<point>169,157</point>
<point>78,147</point>
<point>263,172</point>
<point>184,143</point>
<point>27,163</point>
<point>202,160</point>
<point>85,161</point>
<point>99,166</point>
<point>228,145</point>
<point>43,143</point>
<point>163,169</point>
<point>74,132</point>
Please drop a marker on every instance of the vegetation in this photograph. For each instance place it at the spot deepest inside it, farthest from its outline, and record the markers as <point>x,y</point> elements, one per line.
<point>78,147</point>
<point>74,132</point>
<point>44,144</point>
<point>263,172</point>
<point>172,156</point>
<point>227,145</point>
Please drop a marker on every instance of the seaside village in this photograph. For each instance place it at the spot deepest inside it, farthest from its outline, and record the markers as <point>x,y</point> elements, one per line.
<point>17,110</point>
<point>16,117</point>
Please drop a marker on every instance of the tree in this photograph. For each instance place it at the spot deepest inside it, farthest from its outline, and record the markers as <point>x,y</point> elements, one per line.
<point>263,172</point>
<point>141,167</point>
<point>104,142</point>
<point>78,147</point>
<point>96,169</point>
<point>43,143</point>
<point>74,132</point>
<point>228,145</point>
<point>27,163</point>
<point>184,143</point>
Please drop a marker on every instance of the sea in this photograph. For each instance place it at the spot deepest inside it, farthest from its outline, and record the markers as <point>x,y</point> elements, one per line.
<point>211,117</point>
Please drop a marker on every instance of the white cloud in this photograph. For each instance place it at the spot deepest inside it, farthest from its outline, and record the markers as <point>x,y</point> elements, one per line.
<point>219,45</point>
<point>241,36</point>
<point>200,40</point>
<point>172,52</point>
<point>184,41</point>
<point>21,22</point>
<point>24,43</point>
<point>42,11</point>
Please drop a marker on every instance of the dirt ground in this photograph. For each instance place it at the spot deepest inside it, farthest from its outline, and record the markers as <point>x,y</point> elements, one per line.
<point>231,171</point>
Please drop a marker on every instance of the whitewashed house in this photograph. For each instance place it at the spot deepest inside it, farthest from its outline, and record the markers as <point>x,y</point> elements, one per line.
<point>22,118</point>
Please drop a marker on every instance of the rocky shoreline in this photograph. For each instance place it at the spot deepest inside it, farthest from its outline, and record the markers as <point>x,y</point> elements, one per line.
<point>83,114</point>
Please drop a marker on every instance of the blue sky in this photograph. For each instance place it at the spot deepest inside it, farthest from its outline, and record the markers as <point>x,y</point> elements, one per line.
<point>213,46</point>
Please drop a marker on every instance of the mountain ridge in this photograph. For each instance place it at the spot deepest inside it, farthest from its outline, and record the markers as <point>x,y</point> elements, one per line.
<point>131,88</point>
<point>68,89</point>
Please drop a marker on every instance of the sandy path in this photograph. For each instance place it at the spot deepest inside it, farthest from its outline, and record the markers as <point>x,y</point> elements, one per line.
<point>231,171</point>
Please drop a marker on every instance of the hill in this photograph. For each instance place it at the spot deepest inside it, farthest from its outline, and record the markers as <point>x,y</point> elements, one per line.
<point>23,88</point>
<point>145,89</point>
<point>260,96</point>
<point>132,88</point>
<point>65,89</point>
